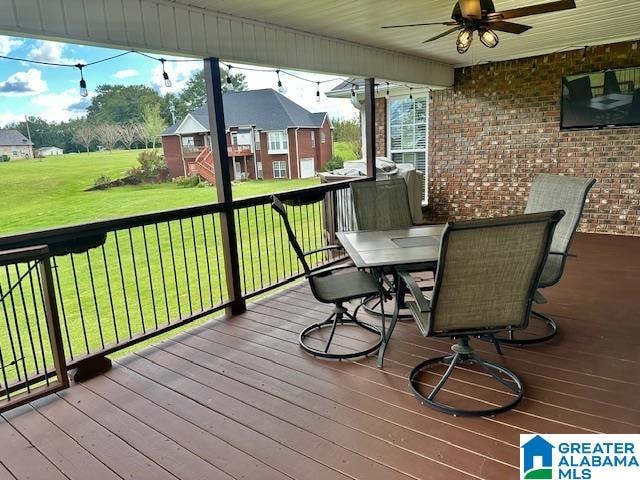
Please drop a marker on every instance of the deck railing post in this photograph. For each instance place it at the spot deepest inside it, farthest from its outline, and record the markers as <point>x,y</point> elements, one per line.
<point>370,125</point>
<point>222,167</point>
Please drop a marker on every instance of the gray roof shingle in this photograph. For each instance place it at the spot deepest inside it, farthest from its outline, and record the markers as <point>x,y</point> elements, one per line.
<point>11,137</point>
<point>265,109</point>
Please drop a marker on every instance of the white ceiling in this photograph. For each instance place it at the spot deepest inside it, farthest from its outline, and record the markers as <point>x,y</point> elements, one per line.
<point>592,22</point>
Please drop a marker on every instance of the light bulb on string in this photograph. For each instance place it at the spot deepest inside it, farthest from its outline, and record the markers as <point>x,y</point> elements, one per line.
<point>165,75</point>
<point>410,93</point>
<point>386,94</point>
<point>228,74</point>
<point>317,91</point>
<point>83,83</point>
<point>353,91</point>
<point>281,89</point>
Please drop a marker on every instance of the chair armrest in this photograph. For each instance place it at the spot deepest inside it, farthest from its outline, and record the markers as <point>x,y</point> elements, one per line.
<point>564,254</point>
<point>323,249</point>
<point>319,272</point>
<point>422,302</point>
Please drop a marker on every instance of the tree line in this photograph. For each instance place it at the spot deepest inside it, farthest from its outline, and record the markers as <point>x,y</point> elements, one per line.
<point>125,116</point>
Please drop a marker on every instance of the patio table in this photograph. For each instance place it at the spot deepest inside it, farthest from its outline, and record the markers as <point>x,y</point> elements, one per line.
<point>392,248</point>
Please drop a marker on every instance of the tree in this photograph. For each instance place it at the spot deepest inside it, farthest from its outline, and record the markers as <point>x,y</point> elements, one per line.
<point>84,134</point>
<point>348,131</point>
<point>108,134</point>
<point>129,133</point>
<point>152,124</point>
<point>194,94</point>
<point>121,104</point>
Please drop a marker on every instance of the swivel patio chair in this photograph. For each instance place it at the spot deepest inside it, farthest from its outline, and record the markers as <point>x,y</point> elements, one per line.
<point>330,285</point>
<point>384,205</point>
<point>488,271</point>
<point>550,192</point>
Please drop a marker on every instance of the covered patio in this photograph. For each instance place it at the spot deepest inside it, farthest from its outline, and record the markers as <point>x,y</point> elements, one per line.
<point>236,397</point>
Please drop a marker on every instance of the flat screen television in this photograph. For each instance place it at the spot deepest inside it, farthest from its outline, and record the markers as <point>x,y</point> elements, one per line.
<point>609,98</point>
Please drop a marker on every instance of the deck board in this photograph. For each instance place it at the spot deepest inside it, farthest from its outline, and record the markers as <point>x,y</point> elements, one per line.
<point>236,398</point>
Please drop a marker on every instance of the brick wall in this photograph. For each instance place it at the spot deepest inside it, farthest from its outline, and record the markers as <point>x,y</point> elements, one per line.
<point>381,127</point>
<point>499,127</point>
<point>172,155</point>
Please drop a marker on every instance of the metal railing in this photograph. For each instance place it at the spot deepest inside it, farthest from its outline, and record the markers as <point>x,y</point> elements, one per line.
<point>119,282</point>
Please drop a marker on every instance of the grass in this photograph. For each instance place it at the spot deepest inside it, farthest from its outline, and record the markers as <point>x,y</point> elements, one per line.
<point>50,192</point>
<point>344,150</point>
<point>138,279</point>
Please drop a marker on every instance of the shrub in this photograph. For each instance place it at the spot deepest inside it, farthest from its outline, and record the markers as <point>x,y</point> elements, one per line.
<point>151,168</point>
<point>188,182</point>
<point>102,183</point>
<point>4,158</point>
<point>333,164</point>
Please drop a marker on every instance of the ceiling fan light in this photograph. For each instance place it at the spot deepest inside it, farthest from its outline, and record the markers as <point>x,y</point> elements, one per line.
<point>465,37</point>
<point>489,38</point>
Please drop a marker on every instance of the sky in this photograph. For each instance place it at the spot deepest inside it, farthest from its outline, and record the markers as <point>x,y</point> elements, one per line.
<point>52,92</point>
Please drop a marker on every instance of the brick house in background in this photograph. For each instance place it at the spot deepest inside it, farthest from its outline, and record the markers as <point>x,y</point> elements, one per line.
<point>268,136</point>
<point>14,145</point>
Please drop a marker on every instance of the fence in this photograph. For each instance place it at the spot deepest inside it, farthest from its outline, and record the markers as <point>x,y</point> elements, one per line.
<point>115,283</point>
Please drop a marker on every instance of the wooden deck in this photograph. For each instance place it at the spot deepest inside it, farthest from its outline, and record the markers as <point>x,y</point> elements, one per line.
<point>237,398</point>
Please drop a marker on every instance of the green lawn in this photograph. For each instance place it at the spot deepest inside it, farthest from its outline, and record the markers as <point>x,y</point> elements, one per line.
<point>344,150</point>
<point>50,192</point>
<point>139,278</point>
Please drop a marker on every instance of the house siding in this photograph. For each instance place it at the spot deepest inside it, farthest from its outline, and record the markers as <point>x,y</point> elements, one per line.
<point>499,128</point>
<point>22,151</point>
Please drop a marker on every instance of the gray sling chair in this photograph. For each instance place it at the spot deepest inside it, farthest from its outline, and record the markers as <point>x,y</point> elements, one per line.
<point>329,285</point>
<point>488,271</point>
<point>550,192</point>
<point>384,205</point>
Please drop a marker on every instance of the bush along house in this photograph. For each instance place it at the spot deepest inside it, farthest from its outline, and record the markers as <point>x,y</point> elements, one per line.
<point>268,136</point>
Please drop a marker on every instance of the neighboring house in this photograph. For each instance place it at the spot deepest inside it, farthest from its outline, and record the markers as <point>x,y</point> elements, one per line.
<point>14,145</point>
<point>49,151</point>
<point>268,136</point>
<point>402,122</point>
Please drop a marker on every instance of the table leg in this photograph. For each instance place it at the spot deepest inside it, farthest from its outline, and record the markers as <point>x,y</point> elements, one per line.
<point>400,294</point>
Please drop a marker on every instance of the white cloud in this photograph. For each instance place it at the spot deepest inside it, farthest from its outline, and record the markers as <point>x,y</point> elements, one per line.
<point>127,73</point>
<point>179,74</point>
<point>63,106</point>
<point>10,117</point>
<point>22,84</point>
<point>52,52</point>
<point>7,44</point>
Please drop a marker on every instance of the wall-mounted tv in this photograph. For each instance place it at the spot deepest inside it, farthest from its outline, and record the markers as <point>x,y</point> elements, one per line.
<point>610,98</point>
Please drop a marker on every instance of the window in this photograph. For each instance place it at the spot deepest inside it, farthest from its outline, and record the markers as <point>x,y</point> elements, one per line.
<point>257,140</point>
<point>278,142</point>
<point>234,138</point>
<point>279,169</point>
<point>313,139</point>
<point>323,137</point>
<point>408,133</point>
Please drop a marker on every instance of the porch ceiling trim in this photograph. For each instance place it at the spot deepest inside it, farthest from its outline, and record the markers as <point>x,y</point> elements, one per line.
<point>171,28</point>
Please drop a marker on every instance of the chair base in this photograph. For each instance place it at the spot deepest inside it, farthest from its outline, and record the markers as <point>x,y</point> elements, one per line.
<point>371,305</point>
<point>515,337</point>
<point>463,354</point>
<point>336,319</point>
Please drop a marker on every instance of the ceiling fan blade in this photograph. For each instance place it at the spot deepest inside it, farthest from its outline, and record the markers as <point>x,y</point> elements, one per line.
<point>508,27</point>
<point>443,34</point>
<point>533,10</point>
<point>470,9</point>
<point>419,24</point>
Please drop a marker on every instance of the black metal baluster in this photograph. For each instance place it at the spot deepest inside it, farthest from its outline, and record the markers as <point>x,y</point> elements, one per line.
<point>95,299</point>
<point>8,323</point>
<point>164,282</point>
<point>175,271</point>
<point>26,318</point>
<point>241,259</point>
<point>266,242</point>
<point>35,309</point>
<point>62,307</point>
<point>124,288</point>
<point>260,268</point>
<point>250,239</point>
<point>215,236</point>
<point>6,391</point>
<point>18,335</point>
<point>135,277</point>
<point>275,242</point>
<point>75,282</point>
<point>108,279</point>
<point>206,256</point>
<point>195,251</point>
<point>186,266</point>
<point>153,296</point>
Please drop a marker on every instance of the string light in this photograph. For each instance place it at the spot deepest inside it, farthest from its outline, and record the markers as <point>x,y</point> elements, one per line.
<point>386,94</point>
<point>165,75</point>
<point>281,89</point>
<point>353,90</point>
<point>534,66</point>
<point>83,83</point>
<point>317,91</point>
<point>584,53</point>
<point>410,93</point>
<point>229,74</point>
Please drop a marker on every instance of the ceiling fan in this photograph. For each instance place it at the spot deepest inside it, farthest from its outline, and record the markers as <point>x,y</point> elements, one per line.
<point>480,15</point>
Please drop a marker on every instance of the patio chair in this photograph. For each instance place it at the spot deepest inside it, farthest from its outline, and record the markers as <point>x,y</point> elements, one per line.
<point>552,192</point>
<point>330,285</point>
<point>488,271</point>
<point>384,205</point>
<point>611,84</point>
